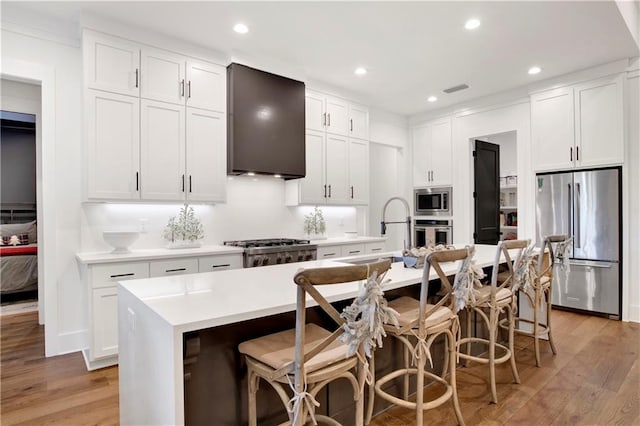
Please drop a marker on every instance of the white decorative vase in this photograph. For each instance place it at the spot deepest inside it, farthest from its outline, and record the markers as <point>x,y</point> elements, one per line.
<point>180,244</point>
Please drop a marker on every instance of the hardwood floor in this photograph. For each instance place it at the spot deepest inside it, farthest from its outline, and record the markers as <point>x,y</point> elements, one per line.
<point>594,380</point>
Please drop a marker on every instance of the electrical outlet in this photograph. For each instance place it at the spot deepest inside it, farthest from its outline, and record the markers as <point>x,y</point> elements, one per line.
<point>142,225</point>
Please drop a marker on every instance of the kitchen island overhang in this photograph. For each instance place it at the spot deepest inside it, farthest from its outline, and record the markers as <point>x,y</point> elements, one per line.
<point>154,315</point>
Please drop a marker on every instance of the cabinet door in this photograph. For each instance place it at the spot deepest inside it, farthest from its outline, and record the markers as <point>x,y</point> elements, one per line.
<point>314,111</point>
<point>206,156</point>
<point>359,171</point>
<point>163,268</point>
<point>162,76</point>
<point>599,122</point>
<point>219,262</point>
<point>353,249</point>
<point>328,252</point>
<point>104,339</point>
<point>108,275</point>
<point>336,169</point>
<point>358,121</point>
<point>552,129</point>
<point>113,146</point>
<point>441,153</point>
<point>337,121</point>
<point>421,157</point>
<point>312,187</point>
<point>206,86</point>
<point>111,64</point>
<point>162,147</point>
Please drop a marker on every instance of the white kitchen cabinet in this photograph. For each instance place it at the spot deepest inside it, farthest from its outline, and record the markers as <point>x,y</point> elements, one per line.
<point>358,171</point>
<point>206,86</point>
<point>219,262</point>
<point>311,189</point>
<point>432,151</point>
<point>166,267</point>
<point>111,64</point>
<point>337,173</point>
<point>103,307</point>
<point>352,249</point>
<point>578,126</point>
<point>335,115</point>
<point>372,248</point>
<point>206,156</point>
<point>328,252</point>
<point>162,76</point>
<point>113,146</point>
<point>162,151</point>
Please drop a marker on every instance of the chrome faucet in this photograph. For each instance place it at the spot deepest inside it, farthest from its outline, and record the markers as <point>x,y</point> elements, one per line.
<point>407,241</point>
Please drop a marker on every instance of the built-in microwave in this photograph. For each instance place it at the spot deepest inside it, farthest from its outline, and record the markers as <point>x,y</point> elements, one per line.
<point>432,201</point>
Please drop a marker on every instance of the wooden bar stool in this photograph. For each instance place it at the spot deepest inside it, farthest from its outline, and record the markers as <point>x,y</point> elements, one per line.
<point>422,323</point>
<point>307,358</point>
<point>538,293</point>
<point>495,298</point>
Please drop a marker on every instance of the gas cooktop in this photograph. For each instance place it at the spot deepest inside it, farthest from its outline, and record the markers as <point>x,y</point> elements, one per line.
<point>266,242</point>
<point>271,251</point>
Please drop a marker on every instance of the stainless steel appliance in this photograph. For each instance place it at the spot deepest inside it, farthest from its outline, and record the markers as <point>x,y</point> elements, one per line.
<point>433,231</point>
<point>432,201</point>
<point>273,251</point>
<point>586,205</point>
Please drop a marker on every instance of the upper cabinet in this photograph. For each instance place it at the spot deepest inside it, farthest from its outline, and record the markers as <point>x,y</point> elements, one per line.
<point>111,64</point>
<point>579,125</point>
<point>156,128</point>
<point>432,151</point>
<point>337,116</point>
<point>337,154</point>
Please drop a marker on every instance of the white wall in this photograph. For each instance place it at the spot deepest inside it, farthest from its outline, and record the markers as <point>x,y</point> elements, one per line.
<point>633,198</point>
<point>508,151</point>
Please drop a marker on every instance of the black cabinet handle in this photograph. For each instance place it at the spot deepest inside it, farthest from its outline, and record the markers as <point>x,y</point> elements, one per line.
<point>136,77</point>
<point>571,154</point>
<point>182,91</point>
<point>329,191</point>
<point>329,120</point>
<point>324,119</point>
<point>226,265</point>
<point>354,252</point>
<point>328,254</point>
<point>137,181</point>
<point>352,192</point>
<point>130,274</point>
<point>182,183</point>
<point>189,183</point>
<point>351,124</point>
<point>577,153</point>
<point>175,270</point>
<point>325,191</point>
<point>189,87</point>
<point>377,249</point>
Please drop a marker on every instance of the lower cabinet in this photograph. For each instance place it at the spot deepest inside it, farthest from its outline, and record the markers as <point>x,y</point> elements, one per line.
<point>343,250</point>
<point>102,282</point>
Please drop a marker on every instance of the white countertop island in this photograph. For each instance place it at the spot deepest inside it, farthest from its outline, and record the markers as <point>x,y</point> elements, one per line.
<point>154,314</point>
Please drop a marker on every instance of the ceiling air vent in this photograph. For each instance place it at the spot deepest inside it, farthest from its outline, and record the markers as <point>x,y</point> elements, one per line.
<point>456,88</point>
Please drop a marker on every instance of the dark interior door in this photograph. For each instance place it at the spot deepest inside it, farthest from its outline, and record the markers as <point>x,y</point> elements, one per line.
<point>486,193</point>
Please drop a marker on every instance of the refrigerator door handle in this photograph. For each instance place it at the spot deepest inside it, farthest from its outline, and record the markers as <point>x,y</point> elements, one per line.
<point>569,210</point>
<point>578,218</point>
<point>592,264</point>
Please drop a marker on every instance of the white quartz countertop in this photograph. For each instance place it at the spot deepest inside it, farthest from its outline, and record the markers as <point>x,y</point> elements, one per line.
<point>151,254</point>
<point>197,301</point>
<point>345,240</point>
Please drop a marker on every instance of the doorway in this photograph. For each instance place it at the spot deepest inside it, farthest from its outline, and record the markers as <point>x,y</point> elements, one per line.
<point>495,187</point>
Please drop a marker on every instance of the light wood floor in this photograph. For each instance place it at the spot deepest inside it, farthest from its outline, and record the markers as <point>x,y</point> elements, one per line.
<point>594,380</point>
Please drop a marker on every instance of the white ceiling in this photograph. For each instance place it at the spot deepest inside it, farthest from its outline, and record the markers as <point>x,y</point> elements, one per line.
<point>411,49</point>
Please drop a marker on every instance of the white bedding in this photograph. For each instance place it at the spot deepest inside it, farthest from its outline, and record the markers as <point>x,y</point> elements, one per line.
<point>18,273</point>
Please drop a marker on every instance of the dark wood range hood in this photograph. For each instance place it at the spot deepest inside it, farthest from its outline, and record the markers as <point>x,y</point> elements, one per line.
<point>265,123</point>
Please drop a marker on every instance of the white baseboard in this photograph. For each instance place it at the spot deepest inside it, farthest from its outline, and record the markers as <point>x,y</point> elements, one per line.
<point>72,341</point>
<point>101,363</point>
<point>634,313</point>
<point>18,308</point>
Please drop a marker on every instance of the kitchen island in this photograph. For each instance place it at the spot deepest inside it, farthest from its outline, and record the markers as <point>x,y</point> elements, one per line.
<point>157,315</point>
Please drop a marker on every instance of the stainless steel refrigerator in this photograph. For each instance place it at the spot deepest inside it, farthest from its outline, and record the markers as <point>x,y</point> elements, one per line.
<point>587,205</point>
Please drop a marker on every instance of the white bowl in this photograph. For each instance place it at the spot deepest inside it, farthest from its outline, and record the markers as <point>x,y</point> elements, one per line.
<point>120,240</point>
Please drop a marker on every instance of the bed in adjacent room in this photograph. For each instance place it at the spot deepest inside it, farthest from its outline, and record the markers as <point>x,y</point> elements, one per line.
<point>18,262</point>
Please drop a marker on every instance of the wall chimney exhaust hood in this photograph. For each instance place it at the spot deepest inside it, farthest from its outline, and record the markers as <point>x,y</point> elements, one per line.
<point>265,123</point>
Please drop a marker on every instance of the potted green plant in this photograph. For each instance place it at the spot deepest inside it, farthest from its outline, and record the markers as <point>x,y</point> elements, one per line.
<point>314,225</point>
<point>184,230</point>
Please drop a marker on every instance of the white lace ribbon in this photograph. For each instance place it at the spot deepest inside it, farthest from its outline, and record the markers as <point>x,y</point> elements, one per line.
<point>466,281</point>
<point>299,401</point>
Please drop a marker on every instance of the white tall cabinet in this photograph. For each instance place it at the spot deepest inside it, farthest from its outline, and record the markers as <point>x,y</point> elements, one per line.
<point>579,125</point>
<point>432,151</point>
<point>169,161</point>
<point>337,153</point>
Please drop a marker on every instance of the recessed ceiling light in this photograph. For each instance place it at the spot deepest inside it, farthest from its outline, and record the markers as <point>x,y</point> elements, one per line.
<point>241,28</point>
<point>534,70</point>
<point>432,98</point>
<point>360,71</point>
<point>251,174</point>
<point>472,24</point>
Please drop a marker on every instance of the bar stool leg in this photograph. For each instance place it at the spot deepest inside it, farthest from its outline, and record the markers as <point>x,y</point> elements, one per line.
<point>492,354</point>
<point>359,396</point>
<point>405,383</point>
<point>536,342</point>
<point>512,326</point>
<point>452,377</point>
<point>372,391</point>
<point>548,298</point>
<point>420,391</point>
<point>469,312</point>
<point>252,382</point>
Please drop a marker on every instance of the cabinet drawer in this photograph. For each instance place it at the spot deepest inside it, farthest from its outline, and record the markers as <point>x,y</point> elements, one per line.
<point>219,262</point>
<point>109,275</point>
<point>374,247</point>
<point>161,268</point>
<point>353,249</point>
<point>328,252</point>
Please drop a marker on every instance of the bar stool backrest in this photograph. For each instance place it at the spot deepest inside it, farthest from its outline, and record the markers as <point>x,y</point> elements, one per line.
<point>503,250</point>
<point>555,244</point>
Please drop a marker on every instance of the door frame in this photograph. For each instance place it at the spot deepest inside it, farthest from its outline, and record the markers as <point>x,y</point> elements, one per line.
<point>44,76</point>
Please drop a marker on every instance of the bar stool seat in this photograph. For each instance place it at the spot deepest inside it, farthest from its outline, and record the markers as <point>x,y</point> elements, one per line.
<point>409,310</point>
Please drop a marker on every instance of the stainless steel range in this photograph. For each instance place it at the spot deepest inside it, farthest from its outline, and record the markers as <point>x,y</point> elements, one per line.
<point>273,251</point>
